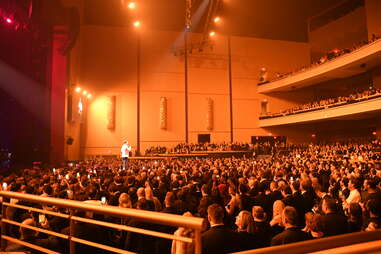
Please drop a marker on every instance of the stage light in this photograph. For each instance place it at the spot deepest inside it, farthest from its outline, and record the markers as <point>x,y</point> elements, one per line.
<point>78,89</point>
<point>313,135</point>
<point>137,24</point>
<point>84,92</point>
<point>131,5</point>
<point>374,133</point>
<point>9,20</point>
<point>212,34</point>
<point>217,19</point>
<point>89,96</point>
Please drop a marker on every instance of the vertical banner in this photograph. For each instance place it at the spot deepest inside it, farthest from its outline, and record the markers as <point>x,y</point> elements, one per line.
<point>209,114</point>
<point>163,113</point>
<point>111,112</point>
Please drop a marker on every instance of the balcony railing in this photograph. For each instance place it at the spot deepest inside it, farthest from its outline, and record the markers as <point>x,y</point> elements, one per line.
<point>72,206</point>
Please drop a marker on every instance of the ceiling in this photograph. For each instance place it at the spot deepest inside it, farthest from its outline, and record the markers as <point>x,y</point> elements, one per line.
<point>272,19</point>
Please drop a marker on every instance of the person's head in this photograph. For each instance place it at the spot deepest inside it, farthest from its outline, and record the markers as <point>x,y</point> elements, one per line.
<point>125,201</point>
<point>258,214</point>
<point>305,184</point>
<point>215,214</point>
<point>245,221</point>
<point>26,232</point>
<point>278,208</point>
<point>329,205</point>
<point>316,223</point>
<point>142,204</point>
<point>141,193</point>
<point>169,200</point>
<point>354,183</point>
<point>354,212</point>
<point>289,217</point>
<point>370,184</point>
<point>374,207</point>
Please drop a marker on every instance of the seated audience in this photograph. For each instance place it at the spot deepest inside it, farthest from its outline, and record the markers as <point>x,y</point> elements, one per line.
<point>292,232</point>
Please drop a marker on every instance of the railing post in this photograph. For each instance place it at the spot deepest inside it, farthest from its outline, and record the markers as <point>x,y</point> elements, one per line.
<point>197,240</point>
<point>71,233</point>
<point>3,225</point>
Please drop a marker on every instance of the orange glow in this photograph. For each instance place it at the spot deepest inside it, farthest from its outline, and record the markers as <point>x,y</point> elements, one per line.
<point>137,24</point>
<point>212,33</point>
<point>78,89</point>
<point>89,96</point>
<point>217,19</point>
<point>84,92</point>
<point>374,133</point>
<point>131,5</point>
<point>313,135</point>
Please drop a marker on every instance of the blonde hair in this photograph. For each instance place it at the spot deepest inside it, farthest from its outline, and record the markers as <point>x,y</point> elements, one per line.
<point>247,221</point>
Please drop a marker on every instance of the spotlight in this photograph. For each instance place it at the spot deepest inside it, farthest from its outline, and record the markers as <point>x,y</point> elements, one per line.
<point>137,24</point>
<point>78,89</point>
<point>89,96</point>
<point>9,20</point>
<point>131,5</point>
<point>84,92</point>
<point>217,19</point>
<point>212,33</point>
<point>374,133</point>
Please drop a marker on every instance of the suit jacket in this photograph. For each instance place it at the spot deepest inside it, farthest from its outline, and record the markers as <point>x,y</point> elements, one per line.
<point>334,224</point>
<point>290,235</point>
<point>308,200</point>
<point>138,242</point>
<point>248,241</point>
<point>220,239</point>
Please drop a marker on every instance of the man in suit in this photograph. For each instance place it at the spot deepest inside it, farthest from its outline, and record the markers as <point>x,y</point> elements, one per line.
<point>291,233</point>
<point>219,238</point>
<point>333,222</point>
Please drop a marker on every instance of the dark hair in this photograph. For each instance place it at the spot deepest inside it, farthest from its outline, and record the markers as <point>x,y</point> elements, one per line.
<point>330,203</point>
<point>374,206</point>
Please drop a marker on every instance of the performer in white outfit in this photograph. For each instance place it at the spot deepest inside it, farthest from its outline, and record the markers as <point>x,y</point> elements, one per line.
<point>125,150</point>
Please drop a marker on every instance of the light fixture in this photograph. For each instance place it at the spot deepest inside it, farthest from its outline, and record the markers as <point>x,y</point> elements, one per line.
<point>131,5</point>
<point>217,19</point>
<point>84,92</point>
<point>78,89</point>
<point>9,20</point>
<point>212,33</point>
<point>89,96</point>
<point>137,24</point>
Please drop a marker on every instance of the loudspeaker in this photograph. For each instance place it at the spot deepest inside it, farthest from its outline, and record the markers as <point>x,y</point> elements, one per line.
<point>203,138</point>
<point>69,141</point>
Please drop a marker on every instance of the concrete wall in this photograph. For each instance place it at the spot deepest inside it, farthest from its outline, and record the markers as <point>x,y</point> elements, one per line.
<point>344,32</point>
<point>104,62</point>
<point>373,20</point>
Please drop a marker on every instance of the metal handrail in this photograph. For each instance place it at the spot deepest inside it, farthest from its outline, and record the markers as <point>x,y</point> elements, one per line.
<point>145,216</point>
<point>319,244</point>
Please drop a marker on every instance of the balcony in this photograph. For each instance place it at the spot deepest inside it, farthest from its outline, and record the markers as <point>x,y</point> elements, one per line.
<point>355,62</point>
<point>362,108</point>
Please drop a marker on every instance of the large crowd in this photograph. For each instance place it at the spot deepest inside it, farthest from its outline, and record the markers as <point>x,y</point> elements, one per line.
<point>360,95</point>
<point>187,148</point>
<point>311,192</point>
<point>330,55</point>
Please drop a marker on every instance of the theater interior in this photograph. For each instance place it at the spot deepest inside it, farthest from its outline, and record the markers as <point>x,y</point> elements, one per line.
<point>190,126</point>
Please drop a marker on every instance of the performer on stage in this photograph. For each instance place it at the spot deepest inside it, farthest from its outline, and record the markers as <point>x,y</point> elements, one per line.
<point>126,149</point>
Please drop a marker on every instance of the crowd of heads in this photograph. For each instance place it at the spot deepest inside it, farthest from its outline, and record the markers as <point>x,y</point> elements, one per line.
<point>262,197</point>
<point>330,55</point>
<point>187,148</point>
<point>357,96</point>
